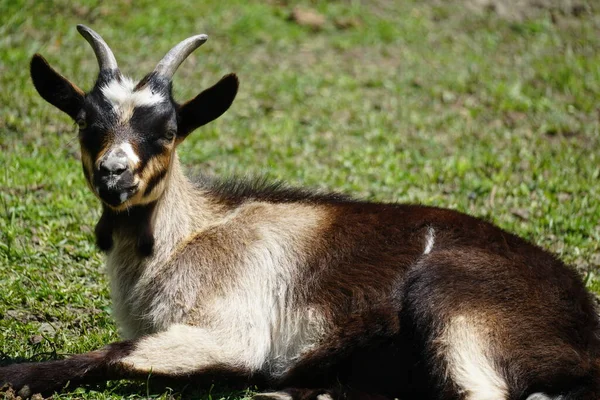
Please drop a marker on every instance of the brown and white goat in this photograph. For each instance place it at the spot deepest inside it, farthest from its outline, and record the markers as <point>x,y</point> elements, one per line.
<point>306,295</point>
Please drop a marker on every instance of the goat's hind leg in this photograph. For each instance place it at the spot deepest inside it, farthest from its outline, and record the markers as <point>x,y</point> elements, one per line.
<point>318,394</point>
<point>182,352</point>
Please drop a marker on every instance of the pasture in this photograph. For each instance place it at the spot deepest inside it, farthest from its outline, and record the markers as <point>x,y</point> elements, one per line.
<point>488,112</point>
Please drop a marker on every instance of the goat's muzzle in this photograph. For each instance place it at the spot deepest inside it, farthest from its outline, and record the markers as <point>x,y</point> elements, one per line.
<point>114,180</point>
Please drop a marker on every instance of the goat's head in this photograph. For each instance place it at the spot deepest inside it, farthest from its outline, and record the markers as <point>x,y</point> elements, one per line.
<point>128,131</point>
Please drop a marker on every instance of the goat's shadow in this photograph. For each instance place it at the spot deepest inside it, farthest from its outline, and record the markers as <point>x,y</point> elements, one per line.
<point>157,387</point>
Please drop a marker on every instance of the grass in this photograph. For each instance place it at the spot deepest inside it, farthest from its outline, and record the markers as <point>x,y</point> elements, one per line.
<point>408,101</point>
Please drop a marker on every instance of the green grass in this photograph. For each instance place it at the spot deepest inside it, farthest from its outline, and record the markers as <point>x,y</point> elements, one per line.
<point>414,102</point>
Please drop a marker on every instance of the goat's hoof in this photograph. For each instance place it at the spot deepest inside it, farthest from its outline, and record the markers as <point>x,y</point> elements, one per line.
<point>24,393</point>
<point>19,381</point>
<point>542,396</point>
<point>295,394</point>
<point>272,396</point>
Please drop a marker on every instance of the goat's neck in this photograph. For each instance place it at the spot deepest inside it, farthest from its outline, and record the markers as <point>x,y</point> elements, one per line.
<point>157,228</point>
<point>182,209</point>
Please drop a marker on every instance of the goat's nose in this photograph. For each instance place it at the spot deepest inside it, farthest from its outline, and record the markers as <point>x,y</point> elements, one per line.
<point>114,164</point>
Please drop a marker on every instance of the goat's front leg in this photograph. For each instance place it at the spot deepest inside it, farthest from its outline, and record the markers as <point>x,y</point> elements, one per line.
<point>44,377</point>
<point>182,351</point>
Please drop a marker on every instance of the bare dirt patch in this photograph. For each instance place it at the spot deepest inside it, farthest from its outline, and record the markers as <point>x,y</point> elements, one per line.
<point>519,10</point>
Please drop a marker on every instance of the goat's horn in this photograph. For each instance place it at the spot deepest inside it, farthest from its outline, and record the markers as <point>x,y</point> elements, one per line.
<point>105,56</point>
<point>173,59</point>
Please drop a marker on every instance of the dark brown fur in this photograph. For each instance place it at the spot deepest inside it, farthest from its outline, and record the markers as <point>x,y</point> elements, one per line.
<point>95,366</point>
<point>384,293</point>
<point>135,221</point>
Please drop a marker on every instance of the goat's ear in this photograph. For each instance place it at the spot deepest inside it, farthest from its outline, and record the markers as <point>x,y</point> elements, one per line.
<point>207,106</point>
<point>55,88</point>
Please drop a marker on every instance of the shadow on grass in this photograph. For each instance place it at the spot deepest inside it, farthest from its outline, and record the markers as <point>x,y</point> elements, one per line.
<point>167,388</point>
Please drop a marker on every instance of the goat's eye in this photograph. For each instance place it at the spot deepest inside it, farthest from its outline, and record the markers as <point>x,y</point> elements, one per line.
<point>169,134</point>
<point>82,123</point>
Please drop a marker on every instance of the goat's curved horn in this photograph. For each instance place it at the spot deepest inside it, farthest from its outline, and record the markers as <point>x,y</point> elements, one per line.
<point>105,56</point>
<point>173,59</point>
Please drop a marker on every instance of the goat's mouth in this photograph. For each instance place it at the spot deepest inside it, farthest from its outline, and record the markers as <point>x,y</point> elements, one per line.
<point>115,196</point>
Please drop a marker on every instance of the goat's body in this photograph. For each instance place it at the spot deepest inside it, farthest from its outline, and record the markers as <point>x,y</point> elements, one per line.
<point>302,288</point>
<point>286,289</point>
<point>317,295</point>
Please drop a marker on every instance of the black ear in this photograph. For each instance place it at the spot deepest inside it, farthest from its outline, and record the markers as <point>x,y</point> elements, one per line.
<point>207,106</point>
<point>55,88</point>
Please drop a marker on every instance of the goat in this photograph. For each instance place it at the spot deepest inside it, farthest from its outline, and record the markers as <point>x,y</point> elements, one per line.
<point>307,295</point>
